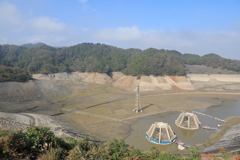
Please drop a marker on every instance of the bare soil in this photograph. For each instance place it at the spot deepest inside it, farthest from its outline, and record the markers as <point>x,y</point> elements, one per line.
<point>178,78</point>
<point>102,111</point>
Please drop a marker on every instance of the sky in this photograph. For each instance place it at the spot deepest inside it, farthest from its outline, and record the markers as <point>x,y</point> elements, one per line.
<point>188,26</point>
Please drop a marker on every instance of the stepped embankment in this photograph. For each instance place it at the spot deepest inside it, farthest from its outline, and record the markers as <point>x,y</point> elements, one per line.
<point>190,82</point>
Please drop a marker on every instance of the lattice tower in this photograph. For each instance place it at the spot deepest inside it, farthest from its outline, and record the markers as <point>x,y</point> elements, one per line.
<point>138,105</point>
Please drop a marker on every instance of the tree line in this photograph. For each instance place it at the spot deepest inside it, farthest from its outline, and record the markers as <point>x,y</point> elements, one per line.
<point>89,57</point>
<point>13,74</point>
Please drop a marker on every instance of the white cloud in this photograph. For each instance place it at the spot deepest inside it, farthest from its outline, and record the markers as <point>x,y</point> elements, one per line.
<point>120,34</point>
<point>45,38</point>
<point>46,25</point>
<point>83,1</point>
<point>17,29</point>
<point>224,43</point>
<point>3,40</point>
<point>9,14</point>
<point>33,39</point>
<point>59,39</point>
<point>84,29</point>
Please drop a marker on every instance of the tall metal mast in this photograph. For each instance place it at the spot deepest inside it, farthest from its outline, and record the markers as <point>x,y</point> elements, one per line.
<point>137,109</point>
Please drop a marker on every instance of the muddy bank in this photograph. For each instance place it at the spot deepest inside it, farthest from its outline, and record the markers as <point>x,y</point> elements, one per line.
<point>102,123</point>
<point>230,141</point>
<point>98,128</point>
<point>58,126</point>
<point>227,139</point>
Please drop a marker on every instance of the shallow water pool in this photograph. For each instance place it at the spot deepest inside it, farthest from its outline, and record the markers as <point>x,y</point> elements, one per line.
<point>191,137</point>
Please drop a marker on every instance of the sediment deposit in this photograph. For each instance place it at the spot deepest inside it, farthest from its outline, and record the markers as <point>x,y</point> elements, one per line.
<point>59,127</point>
<point>189,82</point>
<point>91,101</point>
<point>31,90</point>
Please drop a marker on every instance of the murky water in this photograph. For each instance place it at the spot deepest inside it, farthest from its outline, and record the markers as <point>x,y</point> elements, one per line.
<point>190,137</point>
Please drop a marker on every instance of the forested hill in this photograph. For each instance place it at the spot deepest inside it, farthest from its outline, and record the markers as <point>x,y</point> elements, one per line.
<point>13,74</point>
<point>30,45</point>
<point>89,57</point>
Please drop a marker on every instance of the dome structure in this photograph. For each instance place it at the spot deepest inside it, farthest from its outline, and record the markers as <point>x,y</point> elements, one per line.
<point>160,133</point>
<point>188,120</point>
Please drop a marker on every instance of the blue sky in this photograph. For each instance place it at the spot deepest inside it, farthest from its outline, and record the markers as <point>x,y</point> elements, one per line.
<point>189,26</point>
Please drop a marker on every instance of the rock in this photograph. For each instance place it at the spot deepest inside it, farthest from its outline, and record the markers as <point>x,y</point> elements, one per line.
<point>230,141</point>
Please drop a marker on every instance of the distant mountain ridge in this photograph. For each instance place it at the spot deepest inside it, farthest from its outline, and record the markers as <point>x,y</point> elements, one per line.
<point>102,58</point>
<point>30,45</point>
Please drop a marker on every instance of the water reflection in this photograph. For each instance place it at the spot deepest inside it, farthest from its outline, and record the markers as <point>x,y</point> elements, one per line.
<point>162,148</point>
<point>191,137</point>
<point>224,110</point>
<point>187,133</point>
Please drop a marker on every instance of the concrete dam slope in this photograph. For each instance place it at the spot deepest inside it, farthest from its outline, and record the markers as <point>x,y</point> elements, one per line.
<point>208,82</point>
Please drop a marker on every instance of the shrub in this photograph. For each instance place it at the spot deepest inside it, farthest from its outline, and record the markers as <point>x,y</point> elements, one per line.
<point>33,142</point>
<point>194,153</point>
<point>40,143</point>
<point>236,157</point>
<point>138,76</point>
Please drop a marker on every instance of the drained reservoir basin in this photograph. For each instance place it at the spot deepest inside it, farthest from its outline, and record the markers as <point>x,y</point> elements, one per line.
<point>191,137</point>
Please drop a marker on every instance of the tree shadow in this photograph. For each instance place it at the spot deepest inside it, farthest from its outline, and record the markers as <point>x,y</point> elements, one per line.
<point>146,106</point>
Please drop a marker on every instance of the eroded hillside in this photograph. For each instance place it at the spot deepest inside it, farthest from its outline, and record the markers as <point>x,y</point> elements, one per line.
<point>31,90</point>
<point>190,82</point>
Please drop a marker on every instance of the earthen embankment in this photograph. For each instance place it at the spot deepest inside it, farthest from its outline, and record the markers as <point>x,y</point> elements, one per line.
<point>189,82</point>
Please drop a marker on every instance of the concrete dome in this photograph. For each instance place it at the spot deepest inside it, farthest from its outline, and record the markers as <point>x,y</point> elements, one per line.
<point>188,120</point>
<point>160,133</point>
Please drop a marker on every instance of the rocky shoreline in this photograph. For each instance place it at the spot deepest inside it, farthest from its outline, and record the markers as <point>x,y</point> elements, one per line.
<point>229,141</point>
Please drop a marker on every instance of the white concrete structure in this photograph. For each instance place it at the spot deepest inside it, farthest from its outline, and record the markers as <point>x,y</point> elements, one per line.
<point>160,133</point>
<point>188,120</point>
